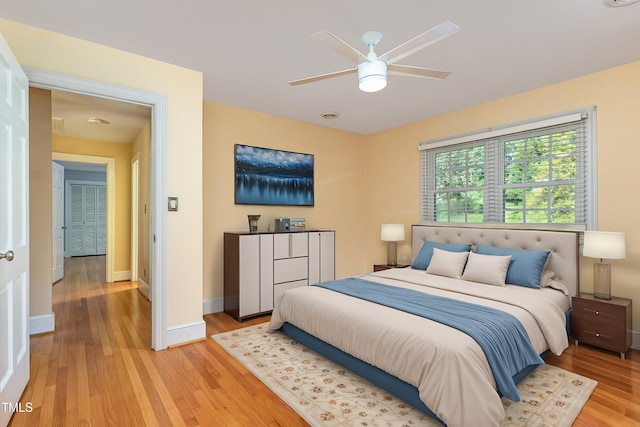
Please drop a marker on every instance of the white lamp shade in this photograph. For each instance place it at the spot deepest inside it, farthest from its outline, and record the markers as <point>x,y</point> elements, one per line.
<point>604,244</point>
<point>372,76</point>
<point>392,232</point>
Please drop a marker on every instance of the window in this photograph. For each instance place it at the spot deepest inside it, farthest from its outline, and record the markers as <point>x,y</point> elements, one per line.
<point>532,173</point>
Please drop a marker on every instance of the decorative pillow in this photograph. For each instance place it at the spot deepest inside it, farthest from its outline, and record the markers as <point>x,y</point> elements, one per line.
<point>424,256</point>
<point>555,284</point>
<point>446,263</point>
<point>546,277</point>
<point>547,282</point>
<point>525,268</point>
<point>489,269</point>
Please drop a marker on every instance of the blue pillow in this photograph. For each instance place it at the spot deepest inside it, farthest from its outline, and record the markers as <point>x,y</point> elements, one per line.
<point>525,268</point>
<point>424,256</point>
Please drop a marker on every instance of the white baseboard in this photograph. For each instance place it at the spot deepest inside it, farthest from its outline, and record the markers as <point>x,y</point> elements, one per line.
<point>213,305</point>
<point>144,289</point>
<point>121,276</point>
<point>41,324</point>
<point>635,340</point>
<point>186,332</point>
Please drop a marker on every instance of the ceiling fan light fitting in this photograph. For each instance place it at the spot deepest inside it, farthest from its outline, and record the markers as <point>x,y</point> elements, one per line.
<point>619,3</point>
<point>372,76</point>
<point>98,121</point>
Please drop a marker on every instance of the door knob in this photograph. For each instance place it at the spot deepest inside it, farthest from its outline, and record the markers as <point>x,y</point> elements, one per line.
<point>8,256</point>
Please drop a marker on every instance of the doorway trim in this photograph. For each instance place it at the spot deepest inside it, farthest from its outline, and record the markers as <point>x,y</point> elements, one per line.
<point>110,162</point>
<point>158,192</point>
<point>135,194</point>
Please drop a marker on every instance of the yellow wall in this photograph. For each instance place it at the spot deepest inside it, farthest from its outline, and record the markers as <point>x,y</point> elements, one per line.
<point>361,182</point>
<point>40,49</point>
<point>339,186</point>
<point>392,162</point>
<point>122,209</point>
<point>40,263</point>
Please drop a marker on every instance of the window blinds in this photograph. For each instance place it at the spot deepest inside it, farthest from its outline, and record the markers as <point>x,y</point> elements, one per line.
<point>566,142</point>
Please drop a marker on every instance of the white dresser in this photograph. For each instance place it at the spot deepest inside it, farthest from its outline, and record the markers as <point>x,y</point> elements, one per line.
<point>259,267</point>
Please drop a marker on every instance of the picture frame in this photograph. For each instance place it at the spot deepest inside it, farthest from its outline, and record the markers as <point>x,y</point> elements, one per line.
<point>266,176</point>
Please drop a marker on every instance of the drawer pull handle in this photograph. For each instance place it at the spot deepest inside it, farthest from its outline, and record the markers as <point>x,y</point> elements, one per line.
<point>290,244</point>
<point>591,311</point>
<point>598,335</point>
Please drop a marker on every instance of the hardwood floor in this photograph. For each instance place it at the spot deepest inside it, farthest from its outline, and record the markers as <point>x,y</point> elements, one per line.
<point>98,369</point>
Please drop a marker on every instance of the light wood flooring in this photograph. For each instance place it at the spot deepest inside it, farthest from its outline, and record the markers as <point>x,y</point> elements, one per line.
<point>98,369</point>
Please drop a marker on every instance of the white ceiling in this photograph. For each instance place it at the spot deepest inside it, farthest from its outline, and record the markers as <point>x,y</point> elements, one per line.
<point>248,50</point>
<point>126,120</point>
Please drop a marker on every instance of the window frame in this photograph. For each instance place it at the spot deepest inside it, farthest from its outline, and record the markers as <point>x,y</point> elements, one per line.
<point>493,206</point>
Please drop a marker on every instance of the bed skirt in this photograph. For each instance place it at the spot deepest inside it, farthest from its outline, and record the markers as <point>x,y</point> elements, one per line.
<point>377,376</point>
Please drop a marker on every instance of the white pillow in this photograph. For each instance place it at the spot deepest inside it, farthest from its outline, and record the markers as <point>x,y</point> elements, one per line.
<point>446,263</point>
<point>489,269</point>
<point>547,282</point>
<point>546,277</point>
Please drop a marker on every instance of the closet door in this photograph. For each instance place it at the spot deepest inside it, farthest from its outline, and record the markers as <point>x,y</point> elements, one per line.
<point>76,231</point>
<point>90,213</point>
<point>88,220</point>
<point>101,220</point>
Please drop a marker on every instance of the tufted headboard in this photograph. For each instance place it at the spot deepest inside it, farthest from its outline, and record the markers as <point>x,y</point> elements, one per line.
<point>562,244</point>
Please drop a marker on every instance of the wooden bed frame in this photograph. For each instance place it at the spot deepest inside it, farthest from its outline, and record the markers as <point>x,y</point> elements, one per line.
<point>563,261</point>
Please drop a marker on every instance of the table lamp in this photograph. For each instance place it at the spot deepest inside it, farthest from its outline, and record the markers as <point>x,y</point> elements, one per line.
<point>392,233</point>
<point>603,245</point>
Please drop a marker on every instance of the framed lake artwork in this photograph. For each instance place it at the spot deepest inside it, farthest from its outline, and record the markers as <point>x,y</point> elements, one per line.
<point>264,176</point>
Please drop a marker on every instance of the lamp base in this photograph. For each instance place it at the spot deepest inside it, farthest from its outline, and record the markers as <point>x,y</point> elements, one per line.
<point>602,280</point>
<point>392,253</point>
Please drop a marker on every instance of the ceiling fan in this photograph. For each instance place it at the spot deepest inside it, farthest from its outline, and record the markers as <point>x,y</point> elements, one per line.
<point>372,69</point>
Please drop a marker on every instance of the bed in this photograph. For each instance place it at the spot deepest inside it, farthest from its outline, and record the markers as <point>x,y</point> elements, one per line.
<point>441,369</point>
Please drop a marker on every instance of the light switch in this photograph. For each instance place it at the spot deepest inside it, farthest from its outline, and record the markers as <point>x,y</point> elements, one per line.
<point>173,204</point>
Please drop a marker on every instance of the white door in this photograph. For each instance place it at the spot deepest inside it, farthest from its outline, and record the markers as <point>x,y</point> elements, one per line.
<point>57,221</point>
<point>14,233</point>
<point>87,219</point>
<point>75,220</point>
<point>101,220</point>
<point>249,293</point>
<point>90,220</point>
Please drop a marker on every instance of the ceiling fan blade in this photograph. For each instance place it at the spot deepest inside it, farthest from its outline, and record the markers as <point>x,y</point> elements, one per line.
<point>322,77</point>
<point>425,73</point>
<point>334,43</point>
<point>421,41</point>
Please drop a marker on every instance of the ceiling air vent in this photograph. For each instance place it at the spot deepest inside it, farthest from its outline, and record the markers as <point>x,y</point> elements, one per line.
<point>330,115</point>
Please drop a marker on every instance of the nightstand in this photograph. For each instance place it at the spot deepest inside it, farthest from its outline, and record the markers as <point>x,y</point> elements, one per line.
<point>380,267</point>
<point>602,323</point>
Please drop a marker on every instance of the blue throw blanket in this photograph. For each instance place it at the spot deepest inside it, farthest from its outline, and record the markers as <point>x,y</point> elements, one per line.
<point>502,337</point>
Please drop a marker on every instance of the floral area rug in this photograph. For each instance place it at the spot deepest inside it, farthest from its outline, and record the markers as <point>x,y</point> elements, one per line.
<point>326,394</point>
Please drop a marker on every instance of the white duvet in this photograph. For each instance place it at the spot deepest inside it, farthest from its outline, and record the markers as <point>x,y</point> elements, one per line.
<point>448,367</point>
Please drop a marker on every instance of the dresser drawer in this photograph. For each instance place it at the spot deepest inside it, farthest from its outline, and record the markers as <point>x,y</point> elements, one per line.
<point>601,312</point>
<point>290,269</point>
<point>598,334</point>
<point>278,290</point>
<point>290,245</point>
